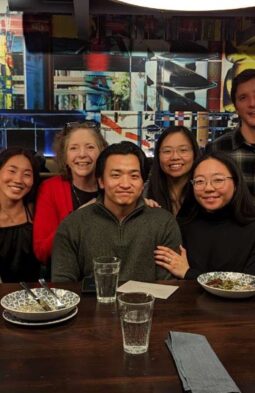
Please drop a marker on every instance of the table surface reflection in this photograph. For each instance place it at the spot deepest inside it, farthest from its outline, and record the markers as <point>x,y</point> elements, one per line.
<point>85,354</point>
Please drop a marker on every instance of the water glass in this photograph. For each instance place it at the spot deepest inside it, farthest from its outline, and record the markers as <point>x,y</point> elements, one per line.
<point>106,273</point>
<point>135,309</point>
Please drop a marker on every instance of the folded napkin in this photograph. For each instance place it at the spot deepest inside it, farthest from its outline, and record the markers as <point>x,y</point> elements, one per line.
<point>198,366</point>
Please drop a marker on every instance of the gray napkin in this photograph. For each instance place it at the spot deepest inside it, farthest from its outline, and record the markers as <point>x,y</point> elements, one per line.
<point>198,366</point>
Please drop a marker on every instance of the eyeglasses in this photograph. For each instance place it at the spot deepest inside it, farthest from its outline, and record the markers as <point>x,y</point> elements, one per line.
<point>216,182</point>
<point>84,124</point>
<point>182,151</point>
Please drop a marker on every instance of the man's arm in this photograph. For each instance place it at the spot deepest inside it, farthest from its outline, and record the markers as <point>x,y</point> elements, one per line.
<point>171,238</point>
<point>65,264</point>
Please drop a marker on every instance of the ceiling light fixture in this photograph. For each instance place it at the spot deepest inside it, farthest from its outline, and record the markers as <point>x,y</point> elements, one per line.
<point>188,5</point>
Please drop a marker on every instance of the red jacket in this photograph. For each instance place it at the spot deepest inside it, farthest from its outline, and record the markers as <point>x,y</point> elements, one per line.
<point>54,203</point>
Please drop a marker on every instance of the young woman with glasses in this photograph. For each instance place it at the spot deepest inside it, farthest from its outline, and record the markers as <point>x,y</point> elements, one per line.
<point>77,148</point>
<point>218,234</point>
<point>175,152</point>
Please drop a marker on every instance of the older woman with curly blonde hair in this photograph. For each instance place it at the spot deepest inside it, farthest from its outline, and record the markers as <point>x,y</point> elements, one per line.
<point>77,148</point>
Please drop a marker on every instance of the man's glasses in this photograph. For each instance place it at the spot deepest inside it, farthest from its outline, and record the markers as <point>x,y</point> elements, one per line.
<point>84,124</point>
<point>216,182</point>
<point>182,151</point>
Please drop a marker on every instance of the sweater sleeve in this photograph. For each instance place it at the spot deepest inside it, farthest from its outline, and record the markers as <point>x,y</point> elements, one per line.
<point>192,274</point>
<point>46,219</point>
<point>170,237</point>
<point>65,260</point>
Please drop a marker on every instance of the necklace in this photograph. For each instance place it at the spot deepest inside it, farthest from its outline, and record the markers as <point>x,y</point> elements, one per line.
<point>76,196</point>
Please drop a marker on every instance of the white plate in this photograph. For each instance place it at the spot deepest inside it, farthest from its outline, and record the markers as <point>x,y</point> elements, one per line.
<point>235,293</point>
<point>17,302</point>
<point>11,318</point>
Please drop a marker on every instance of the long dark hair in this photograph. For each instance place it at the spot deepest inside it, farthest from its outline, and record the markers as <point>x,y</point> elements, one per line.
<point>10,152</point>
<point>158,187</point>
<point>242,204</point>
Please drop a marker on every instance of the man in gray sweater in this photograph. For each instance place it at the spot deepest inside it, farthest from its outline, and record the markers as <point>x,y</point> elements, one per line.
<point>118,224</point>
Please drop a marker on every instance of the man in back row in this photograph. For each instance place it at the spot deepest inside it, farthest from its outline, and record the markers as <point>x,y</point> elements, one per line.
<point>240,143</point>
<point>118,224</point>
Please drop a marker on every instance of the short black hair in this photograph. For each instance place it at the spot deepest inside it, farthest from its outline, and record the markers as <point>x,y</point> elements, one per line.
<point>243,77</point>
<point>122,148</point>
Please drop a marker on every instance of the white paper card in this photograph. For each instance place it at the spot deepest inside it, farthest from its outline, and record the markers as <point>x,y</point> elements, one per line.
<point>158,290</point>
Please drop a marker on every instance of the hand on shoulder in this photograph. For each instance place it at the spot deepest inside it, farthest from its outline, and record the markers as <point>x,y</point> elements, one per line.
<point>151,203</point>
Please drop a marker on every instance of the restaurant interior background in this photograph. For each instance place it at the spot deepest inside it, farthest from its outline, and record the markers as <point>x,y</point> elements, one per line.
<point>135,74</point>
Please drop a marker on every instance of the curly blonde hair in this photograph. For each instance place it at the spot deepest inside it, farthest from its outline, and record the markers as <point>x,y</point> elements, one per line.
<point>61,140</point>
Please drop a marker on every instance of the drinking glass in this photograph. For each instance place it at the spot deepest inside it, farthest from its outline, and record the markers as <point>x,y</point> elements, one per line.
<point>106,273</point>
<point>135,309</point>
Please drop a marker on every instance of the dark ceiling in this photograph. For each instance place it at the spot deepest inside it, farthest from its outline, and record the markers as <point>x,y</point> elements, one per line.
<point>82,9</point>
<point>105,7</point>
<point>68,6</point>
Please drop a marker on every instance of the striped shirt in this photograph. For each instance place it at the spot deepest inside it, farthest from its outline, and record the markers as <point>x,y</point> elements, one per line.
<point>241,151</point>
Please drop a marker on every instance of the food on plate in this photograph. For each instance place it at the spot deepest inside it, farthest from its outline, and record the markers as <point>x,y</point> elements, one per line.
<point>230,285</point>
<point>21,305</point>
<point>33,307</point>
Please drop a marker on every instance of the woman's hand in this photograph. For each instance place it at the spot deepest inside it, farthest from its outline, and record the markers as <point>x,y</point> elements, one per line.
<point>176,264</point>
<point>151,203</point>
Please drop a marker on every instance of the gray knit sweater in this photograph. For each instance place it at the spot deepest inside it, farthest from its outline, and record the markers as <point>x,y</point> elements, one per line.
<point>94,231</point>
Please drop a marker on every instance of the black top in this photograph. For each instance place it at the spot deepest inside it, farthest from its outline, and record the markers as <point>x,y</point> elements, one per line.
<point>17,260</point>
<point>216,242</point>
<point>79,197</point>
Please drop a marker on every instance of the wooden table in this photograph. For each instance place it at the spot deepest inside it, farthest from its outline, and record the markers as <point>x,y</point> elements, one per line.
<point>85,354</point>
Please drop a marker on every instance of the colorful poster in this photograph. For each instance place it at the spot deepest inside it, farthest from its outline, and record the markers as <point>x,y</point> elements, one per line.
<point>133,65</point>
